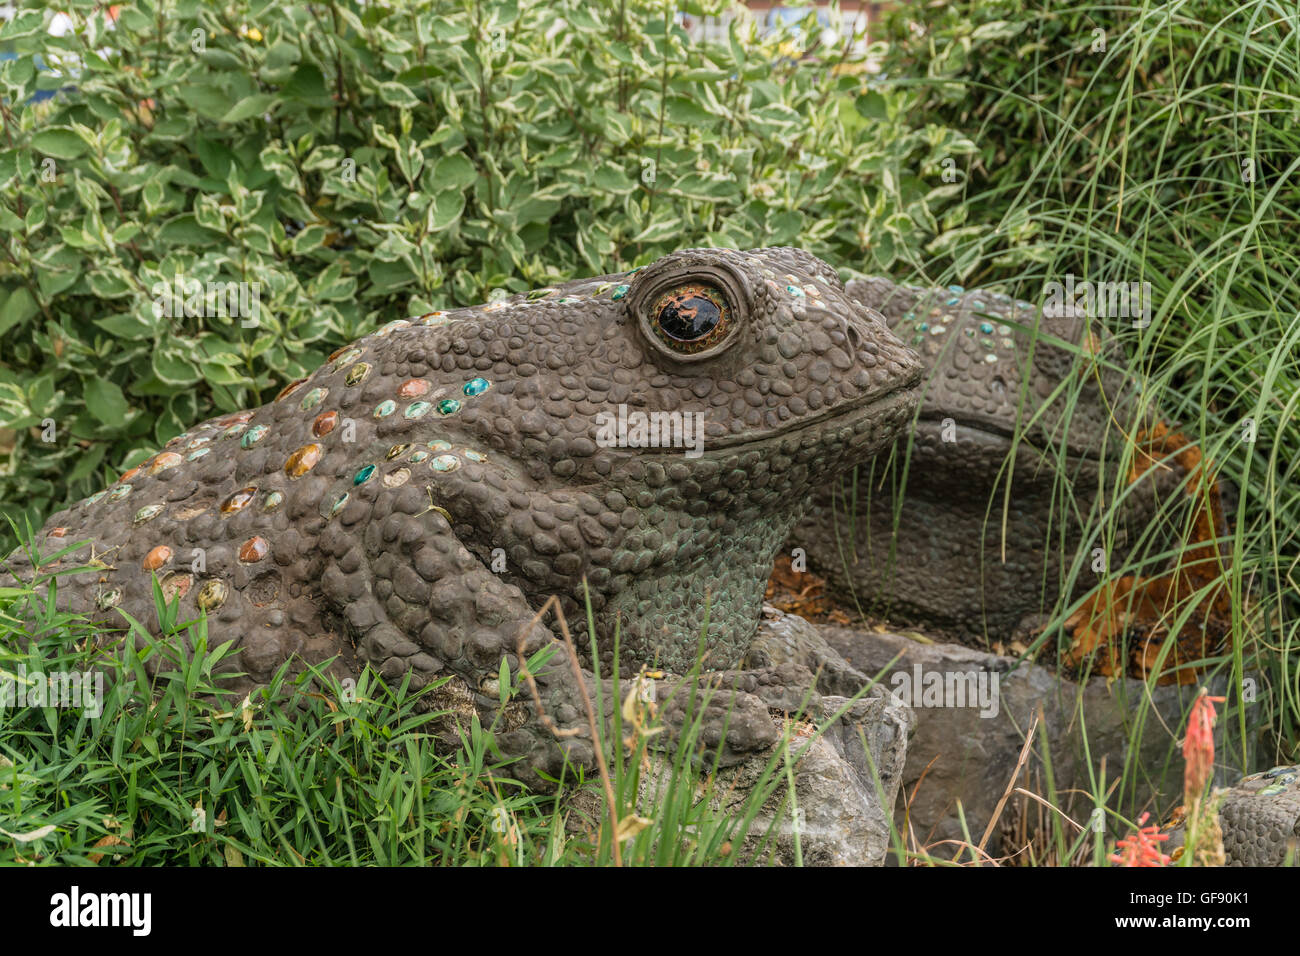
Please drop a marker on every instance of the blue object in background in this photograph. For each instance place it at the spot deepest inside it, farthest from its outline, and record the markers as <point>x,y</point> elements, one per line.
<point>39,96</point>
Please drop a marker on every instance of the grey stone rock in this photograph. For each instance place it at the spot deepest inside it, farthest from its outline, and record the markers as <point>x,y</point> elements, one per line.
<point>846,778</point>
<point>968,759</point>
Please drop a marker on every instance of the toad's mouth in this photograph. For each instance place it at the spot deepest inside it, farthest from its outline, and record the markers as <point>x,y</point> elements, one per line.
<point>991,434</point>
<point>866,408</point>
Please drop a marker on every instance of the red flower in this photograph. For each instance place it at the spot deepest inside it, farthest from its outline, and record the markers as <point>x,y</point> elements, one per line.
<point>1141,849</point>
<point>1198,746</point>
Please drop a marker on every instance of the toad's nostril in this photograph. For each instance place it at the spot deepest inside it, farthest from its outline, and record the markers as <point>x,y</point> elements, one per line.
<point>854,336</point>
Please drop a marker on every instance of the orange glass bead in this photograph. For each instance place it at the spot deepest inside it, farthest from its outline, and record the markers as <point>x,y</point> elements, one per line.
<point>168,459</point>
<point>254,549</point>
<point>289,389</point>
<point>412,388</point>
<point>156,558</point>
<point>324,424</point>
<point>303,460</point>
<point>240,500</point>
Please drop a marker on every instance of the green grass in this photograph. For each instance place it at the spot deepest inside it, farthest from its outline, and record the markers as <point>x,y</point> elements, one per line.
<point>1127,164</point>
<point>308,772</point>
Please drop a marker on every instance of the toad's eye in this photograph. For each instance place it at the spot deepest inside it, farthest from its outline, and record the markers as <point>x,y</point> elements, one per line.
<point>691,318</point>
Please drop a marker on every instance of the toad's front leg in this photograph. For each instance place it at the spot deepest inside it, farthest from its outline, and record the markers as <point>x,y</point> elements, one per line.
<point>420,601</point>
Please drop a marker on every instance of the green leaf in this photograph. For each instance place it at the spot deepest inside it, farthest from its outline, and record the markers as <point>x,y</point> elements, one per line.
<point>254,105</point>
<point>173,369</point>
<point>395,94</point>
<point>105,400</point>
<point>872,105</point>
<point>454,171</point>
<point>210,102</point>
<point>61,142</point>
<point>19,306</point>
<point>445,209</point>
<point>683,111</point>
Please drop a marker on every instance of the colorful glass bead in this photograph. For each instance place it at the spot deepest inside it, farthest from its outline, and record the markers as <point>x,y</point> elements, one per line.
<point>110,598</point>
<point>418,456</point>
<point>364,475</point>
<point>620,290</point>
<point>337,352</point>
<point>212,595</point>
<point>357,374</point>
<point>234,430</point>
<point>395,479</point>
<point>392,327</point>
<point>96,497</point>
<point>303,460</point>
<point>448,406</point>
<point>956,288</point>
<point>289,389</point>
<point>120,492</point>
<point>397,450</point>
<point>238,501</point>
<point>795,291</point>
<point>199,442</point>
<point>986,328</point>
<point>313,398</point>
<point>476,386</point>
<point>198,453</point>
<point>176,585</point>
<point>329,507</point>
<point>990,358</point>
<point>435,319</point>
<point>59,532</point>
<point>1004,330</point>
<point>272,501</point>
<point>131,473</point>
<point>147,513</point>
<point>385,408</point>
<point>475,455</point>
<point>253,436</point>
<point>445,463</point>
<point>346,357</point>
<point>412,388</point>
<point>417,410</point>
<point>253,550</point>
<point>324,423</point>
<point>439,445</point>
<point>156,558</point>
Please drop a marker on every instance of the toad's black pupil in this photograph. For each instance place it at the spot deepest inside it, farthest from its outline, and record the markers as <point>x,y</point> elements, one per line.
<point>688,316</point>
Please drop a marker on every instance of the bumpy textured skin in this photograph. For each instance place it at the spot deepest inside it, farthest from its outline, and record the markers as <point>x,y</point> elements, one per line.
<point>944,568</point>
<point>436,572</point>
<point>1260,818</point>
